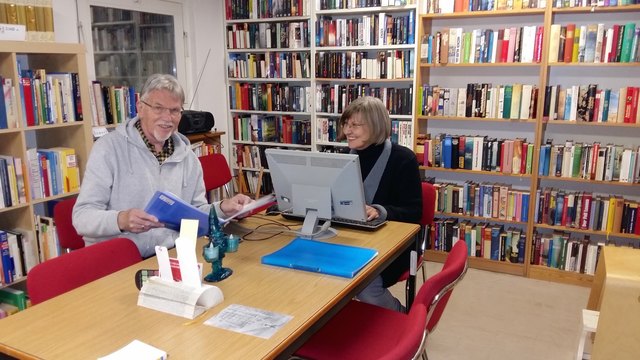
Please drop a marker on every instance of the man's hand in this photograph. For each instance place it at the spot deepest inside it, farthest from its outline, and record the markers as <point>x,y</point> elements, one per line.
<point>137,221</point>
<point>235,204</point>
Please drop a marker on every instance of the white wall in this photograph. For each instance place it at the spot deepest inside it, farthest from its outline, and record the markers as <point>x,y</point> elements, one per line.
<point>203,21</point>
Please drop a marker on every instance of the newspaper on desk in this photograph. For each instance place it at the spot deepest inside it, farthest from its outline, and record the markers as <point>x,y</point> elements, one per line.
<point>248,320</point>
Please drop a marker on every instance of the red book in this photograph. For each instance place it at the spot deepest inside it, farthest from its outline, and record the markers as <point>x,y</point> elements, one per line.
<point>629,113</point>
<point>611,57</point>
<point>634,104</point>
<point>596,105</point>
<point>523,158</point>
<point>586,211</point>
<point>565,210</point>
<point>28,101</point>
<point>537,51</point>
<point>568,43</point>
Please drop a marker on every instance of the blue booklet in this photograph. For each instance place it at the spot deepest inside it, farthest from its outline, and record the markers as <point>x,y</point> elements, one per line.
<point>321,257</point>
<point>170,210</point>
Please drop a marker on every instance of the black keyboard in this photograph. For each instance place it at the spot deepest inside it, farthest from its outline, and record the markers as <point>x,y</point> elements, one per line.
<point>341,222</point>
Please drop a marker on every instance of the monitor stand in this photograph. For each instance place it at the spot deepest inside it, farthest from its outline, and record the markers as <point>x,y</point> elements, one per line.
<point>311,230</point>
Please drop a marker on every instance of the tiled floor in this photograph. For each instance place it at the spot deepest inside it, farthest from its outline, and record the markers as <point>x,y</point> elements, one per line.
<point>493,316</point>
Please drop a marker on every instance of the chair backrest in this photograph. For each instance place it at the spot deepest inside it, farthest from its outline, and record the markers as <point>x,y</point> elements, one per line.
<point>67,234</point>
<point>215,169</point>
<point>69,271</point>
<point>435,292</point>
<point>428,203</point>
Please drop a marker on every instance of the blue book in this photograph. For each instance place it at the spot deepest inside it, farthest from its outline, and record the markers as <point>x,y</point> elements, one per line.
<point>321,257</point>
<point>5,258</point>
<point>446,152</point>
<point>524,215</point>
<point>170,210</point>
<point>495,242</point>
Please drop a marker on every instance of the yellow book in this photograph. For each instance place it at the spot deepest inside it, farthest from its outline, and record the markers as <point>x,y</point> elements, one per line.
<point>49,34</point>
<point>516,98</point>
<point>21,12</point>
<point>3,12</point>
<point>30,13</point>
<point>517,4</point>
<point>576,44</point>
<point>69,168</point>
<point>12,12</point>
<point>610,215</point>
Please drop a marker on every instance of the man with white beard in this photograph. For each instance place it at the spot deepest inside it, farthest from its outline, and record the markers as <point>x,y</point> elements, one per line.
<point>127,166</point>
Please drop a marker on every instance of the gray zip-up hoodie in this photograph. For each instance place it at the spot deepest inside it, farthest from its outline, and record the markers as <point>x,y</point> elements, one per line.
<point>123,174</point>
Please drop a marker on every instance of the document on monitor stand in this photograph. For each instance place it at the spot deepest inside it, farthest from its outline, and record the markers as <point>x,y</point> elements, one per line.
<point>248,320</point>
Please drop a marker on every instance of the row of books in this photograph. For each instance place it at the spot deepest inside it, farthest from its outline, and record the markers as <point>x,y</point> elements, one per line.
<point>508,45</point>
<point>272,65</point>
<point>249,156</point>
<point>12,181</point>
<point>250,182</point>
<point>36,16</point>
<point>558,250</point>
<point>201,148</point>
<point>334,98</point>
<point>112,104</point>
<point>587,211</point>
<point>270,97</point>
<point>49,97</point>
<point>52,171</point>
<point>122,38</point>
<point>21,249</point>
<point>457,6</point>
<point>484,240</point>
<point>328,130</point>
<point>279,129</point>
<point>590,104</point>
<point>512,101</point>
<point>359,4</point>
<point>479,153</point>
<point>367,30</point>
<point>265,9</point>
<point>590,161</point>
<point>278,35</point>
<point>593,43</point>
<point>401,133</point>
<point>598,3</point>
<point>391,64</point>
<point>488,200</point>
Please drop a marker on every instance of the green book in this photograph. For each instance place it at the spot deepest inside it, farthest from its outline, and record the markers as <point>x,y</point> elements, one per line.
<point>13,297</point>
<point>627,41</point>
<point>577,156</point>
<point>529,168</point>
<point>506,107</point>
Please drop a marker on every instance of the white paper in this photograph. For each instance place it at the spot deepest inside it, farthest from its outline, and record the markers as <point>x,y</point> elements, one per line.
<point>176,298</point>
<point>251,206</point>
<point>164,266</point>
<point>136,350</point>
<point>186,248</point>
<point>248,320</point>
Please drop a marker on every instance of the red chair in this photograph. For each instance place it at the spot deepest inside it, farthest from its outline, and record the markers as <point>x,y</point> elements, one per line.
<point>67,235</point>
<point>428,211</point>
<point>65,273</point>
<point>368,332</point>
<point>216,172</point>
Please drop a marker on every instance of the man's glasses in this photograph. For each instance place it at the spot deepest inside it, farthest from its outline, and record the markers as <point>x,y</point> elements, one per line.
<point>159,110</point>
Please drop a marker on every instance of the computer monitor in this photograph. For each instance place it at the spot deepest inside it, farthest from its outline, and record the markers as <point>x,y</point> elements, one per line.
<point>317,185</point>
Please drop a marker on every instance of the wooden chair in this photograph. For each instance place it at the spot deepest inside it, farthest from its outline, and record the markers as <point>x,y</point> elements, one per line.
<point>69,271</point>
<point>67,235</point>
<point>368,332</point>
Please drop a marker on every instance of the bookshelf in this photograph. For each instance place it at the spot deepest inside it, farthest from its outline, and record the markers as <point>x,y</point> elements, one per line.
<point>330,66</point>
<point>537,65</point>
<point>128,46</point>
<point>269,84</point>
<point>15,141</point>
